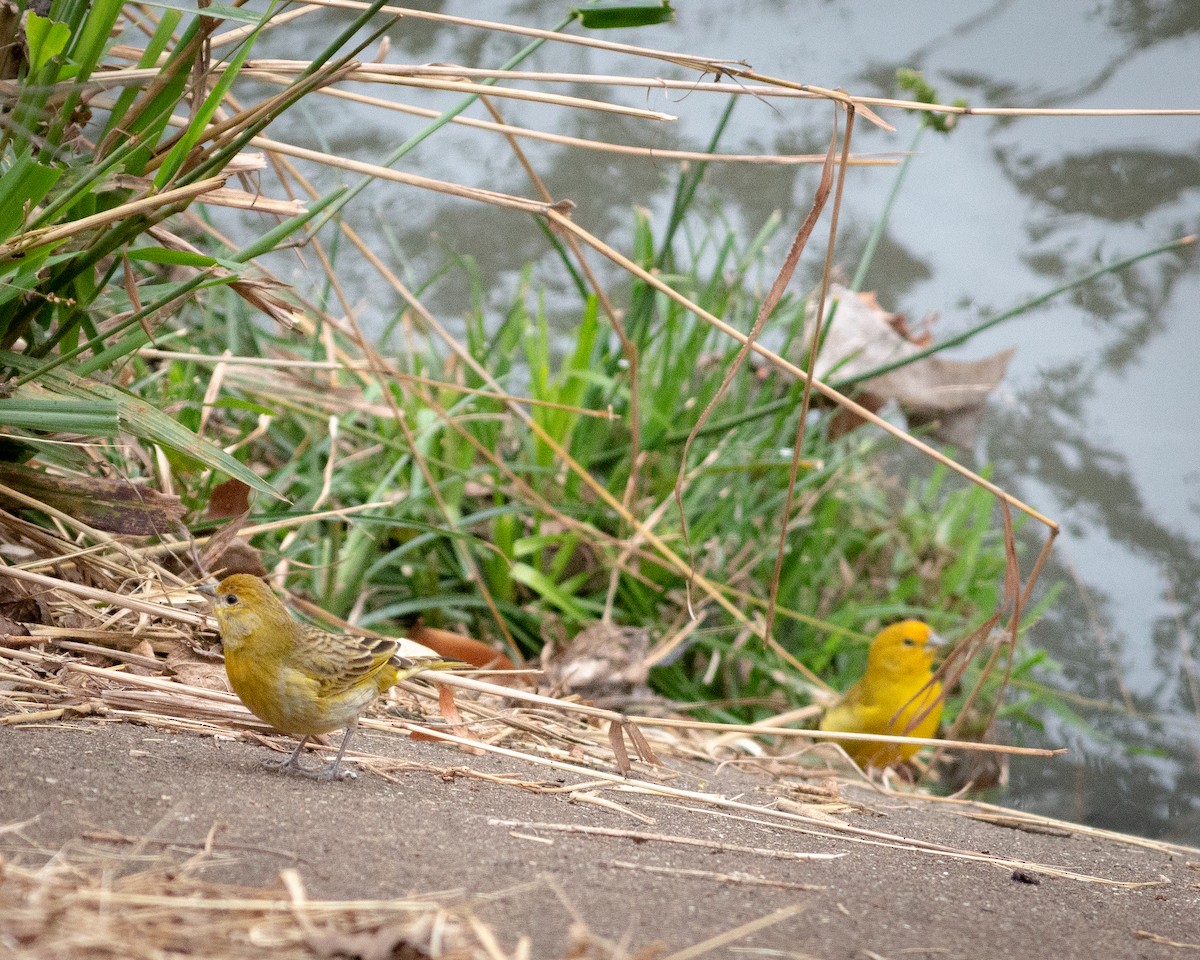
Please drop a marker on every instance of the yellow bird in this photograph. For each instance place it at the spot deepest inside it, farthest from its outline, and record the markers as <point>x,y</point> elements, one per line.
<point>299,679</point>
<point>890,695</point>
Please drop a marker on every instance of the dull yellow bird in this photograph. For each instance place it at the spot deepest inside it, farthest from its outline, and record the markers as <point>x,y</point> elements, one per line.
<point>890,695</point>
<point>299,679</point>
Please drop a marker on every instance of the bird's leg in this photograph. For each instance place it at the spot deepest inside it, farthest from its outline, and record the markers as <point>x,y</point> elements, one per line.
<point>331,771</point>
<point>292,763</point>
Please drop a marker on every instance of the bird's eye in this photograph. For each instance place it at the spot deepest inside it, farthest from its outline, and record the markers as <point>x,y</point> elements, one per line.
<point>909,641</point>
<point>231,599</point>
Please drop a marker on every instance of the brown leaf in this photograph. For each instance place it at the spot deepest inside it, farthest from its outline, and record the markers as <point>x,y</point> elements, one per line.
<point>948,395</point>
<point>10,628</point>
<point>616,739</point>
<point>220,547</point>
<point>18,605</point>
<point>238,557</point>
<point>111,505</point>
<point>454,719</point>
<point>192,670</point>
<point>143,648</point>
<point>455,646</point>
<point>228,499</point>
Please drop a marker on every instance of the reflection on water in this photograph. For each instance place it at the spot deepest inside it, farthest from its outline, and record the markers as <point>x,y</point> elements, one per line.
<point>1098,425</point>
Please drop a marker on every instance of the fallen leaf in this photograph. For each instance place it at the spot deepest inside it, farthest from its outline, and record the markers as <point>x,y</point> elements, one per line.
<point>454,719</point>
<point>455,646</point>
<point>111,505</point>
<point>947,395</point>
<point>190,669</point>
<point>228,499</point>
<point>236,557</point>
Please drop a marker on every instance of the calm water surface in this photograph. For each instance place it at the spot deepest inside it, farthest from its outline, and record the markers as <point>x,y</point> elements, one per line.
<point>1096,424</point>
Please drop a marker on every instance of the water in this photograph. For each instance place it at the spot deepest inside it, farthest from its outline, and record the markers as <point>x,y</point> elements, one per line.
<point>1096,423</point>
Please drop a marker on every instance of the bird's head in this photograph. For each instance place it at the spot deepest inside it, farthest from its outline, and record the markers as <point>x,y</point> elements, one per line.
<point>244,604</point>
<point>906,648</point>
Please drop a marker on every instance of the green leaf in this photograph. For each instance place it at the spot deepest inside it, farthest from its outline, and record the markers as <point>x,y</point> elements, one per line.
<point>233,403</point>
<point>95,418</point>
<point>144,421</point>
<point>24,185</point>
<point>538,582</point>
<point>47,39</point>
<point>218,11</point>
<point>179,258</point>
<point>152,424</point>
<point>625,15</point>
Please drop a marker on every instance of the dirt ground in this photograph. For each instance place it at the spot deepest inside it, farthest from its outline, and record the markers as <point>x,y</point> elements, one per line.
<point>531,865</point>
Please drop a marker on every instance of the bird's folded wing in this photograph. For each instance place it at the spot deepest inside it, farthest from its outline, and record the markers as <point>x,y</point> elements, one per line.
<point>338,661</point>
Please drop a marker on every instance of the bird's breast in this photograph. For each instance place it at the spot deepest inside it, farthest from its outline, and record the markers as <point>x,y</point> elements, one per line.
<point>287,699</point>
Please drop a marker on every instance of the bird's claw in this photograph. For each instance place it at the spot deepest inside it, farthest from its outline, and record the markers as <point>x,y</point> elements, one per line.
<point>293,765</point>
<point>332,773</point>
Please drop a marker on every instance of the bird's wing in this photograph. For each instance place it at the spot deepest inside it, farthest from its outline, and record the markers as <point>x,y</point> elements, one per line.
<point>859,711</point>
<point>339,661</point>
<point>868,709</point>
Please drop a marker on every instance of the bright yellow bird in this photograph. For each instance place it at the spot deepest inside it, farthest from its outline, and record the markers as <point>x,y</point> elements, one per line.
<point>299,679</point>
<point>889,695</point>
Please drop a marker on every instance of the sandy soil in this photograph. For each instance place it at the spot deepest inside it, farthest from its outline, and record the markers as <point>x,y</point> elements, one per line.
<point>438,829</point>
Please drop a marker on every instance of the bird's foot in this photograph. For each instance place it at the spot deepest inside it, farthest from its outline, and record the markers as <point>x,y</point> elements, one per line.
<point>289,765</point>
<point>293,766</point>
<point>332,772</point>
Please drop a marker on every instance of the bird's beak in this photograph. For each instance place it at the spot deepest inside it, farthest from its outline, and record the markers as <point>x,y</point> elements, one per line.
<point>938,643</point>
<point>208,589</point>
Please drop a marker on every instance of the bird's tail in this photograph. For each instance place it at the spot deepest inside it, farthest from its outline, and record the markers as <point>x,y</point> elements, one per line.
<point>407,666</point>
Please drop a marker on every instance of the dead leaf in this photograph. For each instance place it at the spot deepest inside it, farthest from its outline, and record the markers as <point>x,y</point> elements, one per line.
<point>10,628</point>
<point>18,604</point>
<point>228,499</point>
<point>111,505</point>
<point>190,669</point>
<point>237,557</point>
<point>455,646</point>
<point>143,648</point>
<point>616,739</point>
<point>947,395</point>
<point>454,719</point>
<point>220,547</point>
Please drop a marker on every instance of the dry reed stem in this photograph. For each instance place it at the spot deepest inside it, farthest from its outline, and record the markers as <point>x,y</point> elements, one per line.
<point>737,877</point>
<point>645,836</point>
<point>730,68</point>
<point>737,933</point>
<point>123,601</point>
<point>115,78</point>
<point>275,71</point>
<point>45,236</point>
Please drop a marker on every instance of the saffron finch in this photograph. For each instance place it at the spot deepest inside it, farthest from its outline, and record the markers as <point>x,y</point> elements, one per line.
<point>890,695</point>
<point>300,679</point>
